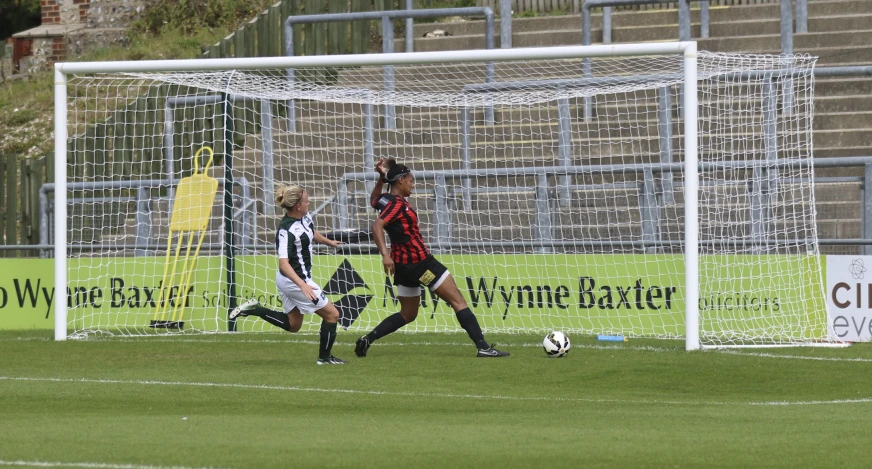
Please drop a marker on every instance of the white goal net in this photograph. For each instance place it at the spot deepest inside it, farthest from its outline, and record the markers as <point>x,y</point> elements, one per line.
<point>554,191</point>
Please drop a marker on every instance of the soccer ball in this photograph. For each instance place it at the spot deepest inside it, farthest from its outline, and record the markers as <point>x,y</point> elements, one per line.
<point>556,344</point>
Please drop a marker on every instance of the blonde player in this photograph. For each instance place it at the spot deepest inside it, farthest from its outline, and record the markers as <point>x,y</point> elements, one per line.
<point>300,294</point>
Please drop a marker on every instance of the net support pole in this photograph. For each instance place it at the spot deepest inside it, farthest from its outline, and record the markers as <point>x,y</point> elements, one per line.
<point>465,157</point>
<point>266,133</point>
<point>369,142</point>
<point>691,210</point>
<point>664,121</point>
<point>564,140</point>
<point>229,249</point>
<point>60,205</point>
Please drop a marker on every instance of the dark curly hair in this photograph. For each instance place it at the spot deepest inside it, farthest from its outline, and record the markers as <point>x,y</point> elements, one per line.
<point>394,171</point>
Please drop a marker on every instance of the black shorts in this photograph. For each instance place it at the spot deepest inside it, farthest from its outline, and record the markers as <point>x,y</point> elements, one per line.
<point>428,273</point>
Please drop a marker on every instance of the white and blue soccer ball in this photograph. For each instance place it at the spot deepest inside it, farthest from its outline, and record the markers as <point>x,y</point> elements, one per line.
<point>556,344</point>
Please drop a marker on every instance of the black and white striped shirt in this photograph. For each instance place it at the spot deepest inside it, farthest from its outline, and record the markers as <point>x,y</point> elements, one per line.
<point>294,243</point>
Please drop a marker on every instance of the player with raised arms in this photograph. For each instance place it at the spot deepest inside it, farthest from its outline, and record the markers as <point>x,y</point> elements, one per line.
<point>410,262</point>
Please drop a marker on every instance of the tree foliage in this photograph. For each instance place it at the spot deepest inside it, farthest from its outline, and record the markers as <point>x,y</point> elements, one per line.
<point>17,16</point>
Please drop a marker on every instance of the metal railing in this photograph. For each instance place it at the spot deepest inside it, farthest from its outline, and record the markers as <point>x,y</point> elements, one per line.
<point>386,18</point>
<point>145,228</point>
<point>683,17</point>
<point>684,30</point>
<point>266,130</point>
<point>648,206</point>
<point>758,238</point>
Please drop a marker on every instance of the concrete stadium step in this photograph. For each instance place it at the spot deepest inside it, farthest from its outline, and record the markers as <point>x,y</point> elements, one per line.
<point>642,26</point>
<point>747,37</point>
<point>825,87</point>
<point>815,9</point>
<point>621,19</point>
<point>824,105</point>
<point>764,26</point>
<point>615,127</point>
<point>843,120</point>
<point>412,119</point>
<point>830,57</point>
<point>801,42</point>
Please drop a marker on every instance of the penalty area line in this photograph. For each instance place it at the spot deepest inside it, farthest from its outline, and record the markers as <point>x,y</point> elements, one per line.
<point>268,387</point>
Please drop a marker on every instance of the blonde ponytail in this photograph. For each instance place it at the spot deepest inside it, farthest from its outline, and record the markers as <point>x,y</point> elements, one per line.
<point>288,196</point>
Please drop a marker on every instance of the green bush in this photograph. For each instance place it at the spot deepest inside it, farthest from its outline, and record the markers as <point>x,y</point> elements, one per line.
<point>189,16</point>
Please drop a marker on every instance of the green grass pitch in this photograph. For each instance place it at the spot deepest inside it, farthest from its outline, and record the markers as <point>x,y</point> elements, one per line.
<point>424,400</point>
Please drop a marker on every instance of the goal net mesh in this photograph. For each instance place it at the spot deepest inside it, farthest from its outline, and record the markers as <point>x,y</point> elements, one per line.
<point>553,190</point>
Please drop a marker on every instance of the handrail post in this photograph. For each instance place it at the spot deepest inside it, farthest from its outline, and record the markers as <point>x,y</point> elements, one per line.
<point>441,213</point>
<point>543,212</point>
<point>289,52</point>
<point>368,142</point>
<point>786,27</point>
<point>267,160</point>
<point>607,25</point>
<point>505,24</point>
<point>684,20</point>
<point>664,120</point>
<point>388,71</point>
<point>342,204</point>
<point>802,16</point>
<point>564,142</point>
<point>143,219</point>
<point>704,18</point>
<point>650,212</point>
<point>465,157</point>
<point>489,67</point>
<point>410,28</point>
<point>586,64</point>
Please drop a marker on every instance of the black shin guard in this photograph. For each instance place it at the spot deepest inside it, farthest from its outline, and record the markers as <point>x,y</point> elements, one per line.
<point>276,318</point>
<point>469,323</point>
<point>328,336</point>
<point>388,325</point>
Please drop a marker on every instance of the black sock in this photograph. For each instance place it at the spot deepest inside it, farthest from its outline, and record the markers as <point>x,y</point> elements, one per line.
<point>388,325</point>
<point>469,323</point>
<point>328,336</point>
<point>276,318</point>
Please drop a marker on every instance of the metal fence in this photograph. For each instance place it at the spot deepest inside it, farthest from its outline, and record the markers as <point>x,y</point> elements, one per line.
<point>574,6</point>
<point>19,200</point>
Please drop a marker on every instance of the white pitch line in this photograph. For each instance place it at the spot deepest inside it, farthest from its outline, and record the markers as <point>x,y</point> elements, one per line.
<point>610,347</point>
<point>268,387</point>
<point>88,465</point>
<point>190,340</point>
<point>793,357</point>
<point>624,346</point>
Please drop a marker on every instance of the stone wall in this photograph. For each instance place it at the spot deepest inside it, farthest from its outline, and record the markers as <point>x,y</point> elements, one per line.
<point>71,27</point>
<point>63,11</point>
<point>115,13</point>
<point>78,42</point>
<point>6,61</point>
<point>46,51</point>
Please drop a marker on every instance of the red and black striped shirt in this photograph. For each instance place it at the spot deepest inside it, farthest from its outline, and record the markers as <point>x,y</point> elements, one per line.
<point>401,224</point>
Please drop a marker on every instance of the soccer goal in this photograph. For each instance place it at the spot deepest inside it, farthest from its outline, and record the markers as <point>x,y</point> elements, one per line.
<point>645,190</point>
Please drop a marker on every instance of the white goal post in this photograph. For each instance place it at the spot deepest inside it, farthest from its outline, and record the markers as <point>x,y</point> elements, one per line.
<point>588,178</point>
